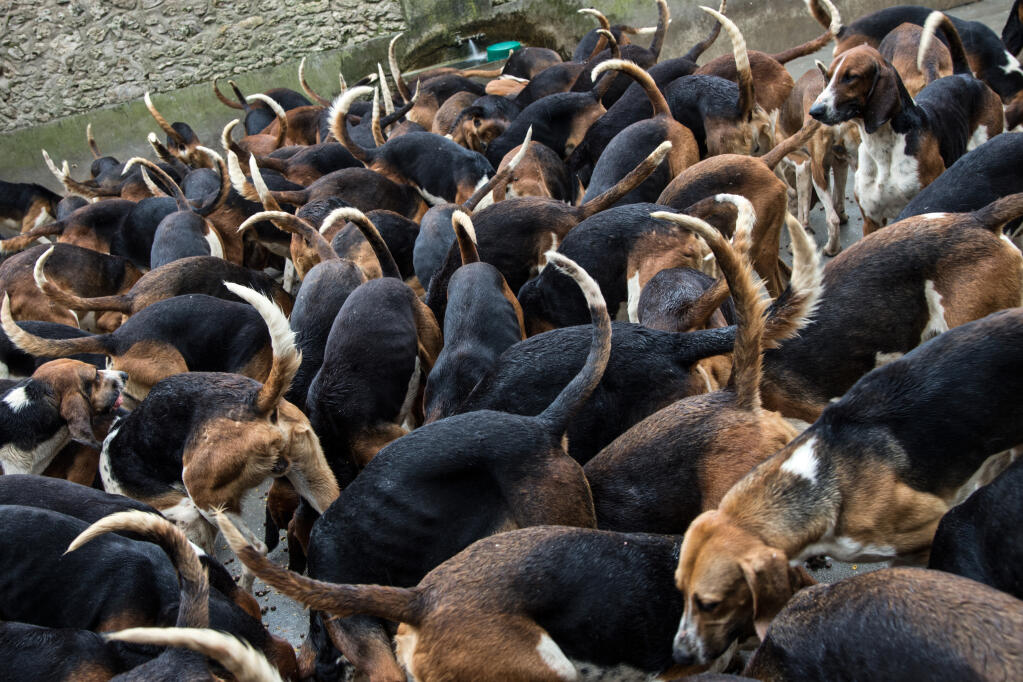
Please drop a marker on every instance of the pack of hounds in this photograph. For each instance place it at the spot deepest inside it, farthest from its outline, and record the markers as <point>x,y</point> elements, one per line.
<point>397,305</point>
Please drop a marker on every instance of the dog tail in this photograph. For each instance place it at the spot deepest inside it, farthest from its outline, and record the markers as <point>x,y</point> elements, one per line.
<point>750,299</point>
<point>466,236</point>
<point>388,266</point>
<point>806,48</point>
<point>120,303</point>
<point>169,185</point>
<point>501,178</point>
<point>794,307</point>
<point>286,355</point>
<point>339,127</point>
<point>223,191</point>
<point>228,143</point>
<point>791,143</point>
<point>392,62</point>
<point>292,224</point>
<point>663,19</point>
<point>936,20</point>
<point>87,190</point>
<point>744,73</point>
<point>998,212</point>
<point>282,117</point>
<point>224,100</point>
<point>239,658</point>
<point>636,73</point>
<point>605,25</point>
<point>256,190</point>
<point>91,141</point>
<point>49,348</point>
<point>375,127</point>
<point>637,175</point>
<point>322,101</point>
<point>195,589</point>
<point>392,603</point>
<point>262,191</point>
<point>578,391</point>
<point>826,15</point>
<point>162,122</point>
<point>385,90</point>
<point>25,239</point>
<point>699,48</point>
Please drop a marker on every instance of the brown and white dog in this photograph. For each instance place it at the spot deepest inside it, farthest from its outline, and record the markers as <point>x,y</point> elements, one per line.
<point>905,144</point>
<point>869,480</point>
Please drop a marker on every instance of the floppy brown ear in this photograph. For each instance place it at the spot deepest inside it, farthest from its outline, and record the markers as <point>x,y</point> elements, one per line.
<point>76,411</point>
<point>883,98</point>
<point>772,582</point>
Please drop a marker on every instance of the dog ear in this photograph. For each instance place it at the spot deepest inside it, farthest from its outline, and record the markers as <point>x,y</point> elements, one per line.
<point>883,98</point>
<point>77,412</point>
<point>767,573</point>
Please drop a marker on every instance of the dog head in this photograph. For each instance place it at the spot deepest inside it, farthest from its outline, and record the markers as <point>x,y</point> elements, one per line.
<point>730,580</point>
<point>81,391</point>
<point>861,84</point>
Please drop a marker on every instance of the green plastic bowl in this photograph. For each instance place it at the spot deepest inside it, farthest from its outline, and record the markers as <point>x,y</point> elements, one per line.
<point>502,50</point>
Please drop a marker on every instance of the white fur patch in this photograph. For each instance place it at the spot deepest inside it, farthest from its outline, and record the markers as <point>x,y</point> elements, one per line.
<point>405,643</point>
<point>882,359</point>
<point>282,338</point>
<point>1011,64</point>
<point>827,97</point>
<point>431,199</point>
<point>106,474</point>
<point>936,323</point>
<point>845,548</point>
<point>803,461</point>
<point>935,215</point>
<point>634,291</point>
<point>687,639</point>
<point>979,137</point>
<point>886,177</point>
<point>555,658</point>
<point>482,181</point>
<point>552,247</point>
<point>17,399</point>
<point>34,461</point>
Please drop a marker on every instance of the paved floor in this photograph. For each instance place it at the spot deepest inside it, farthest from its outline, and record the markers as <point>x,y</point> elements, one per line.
<point>286,619</point>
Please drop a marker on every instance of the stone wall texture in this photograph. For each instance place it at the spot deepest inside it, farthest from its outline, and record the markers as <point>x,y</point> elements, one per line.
<point>59,57</point>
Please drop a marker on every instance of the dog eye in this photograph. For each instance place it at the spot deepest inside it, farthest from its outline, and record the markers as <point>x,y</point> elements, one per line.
<point>706,606</point>
<point>849,77</point>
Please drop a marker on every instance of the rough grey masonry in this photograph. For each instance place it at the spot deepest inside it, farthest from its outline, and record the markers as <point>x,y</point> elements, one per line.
<point>58,57</point>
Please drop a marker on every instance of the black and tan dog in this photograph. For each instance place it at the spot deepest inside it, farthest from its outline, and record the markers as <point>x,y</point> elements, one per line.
<point>79,271</point>
<point>117,582</point>
<point>56,405</point>
<point>870,479</point>
<point>193,275</point>
<point>414,158</point>
<point>483,318</point>
<point>897,288</point>
<point>202,440</point>
<point>921,625</point>
<point>685,457</point>
<point>186,333</point>
<point>431,493</point>
<point>980,538</point>
<point>522,606</point>
<point>27,205</point>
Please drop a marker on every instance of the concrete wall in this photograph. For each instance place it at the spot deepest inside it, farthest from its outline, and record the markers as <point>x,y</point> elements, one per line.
<point>65,63</point>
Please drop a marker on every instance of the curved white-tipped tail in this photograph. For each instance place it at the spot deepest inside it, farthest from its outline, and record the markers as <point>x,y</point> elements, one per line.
<point>238,657</point>
<point>286,356</point>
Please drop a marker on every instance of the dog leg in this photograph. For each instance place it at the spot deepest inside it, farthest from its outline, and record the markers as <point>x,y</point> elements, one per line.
<point>803,193</point>
<point>820,184</point>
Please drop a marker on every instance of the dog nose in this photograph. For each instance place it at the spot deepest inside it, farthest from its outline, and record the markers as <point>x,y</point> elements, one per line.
<point>682,656</point>
<point>818,111</point>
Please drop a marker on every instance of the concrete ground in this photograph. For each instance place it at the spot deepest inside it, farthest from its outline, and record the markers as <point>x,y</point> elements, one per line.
<point>284,618</point>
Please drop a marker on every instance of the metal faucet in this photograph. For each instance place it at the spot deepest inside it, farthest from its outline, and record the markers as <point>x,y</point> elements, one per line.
<point>462,40</point>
